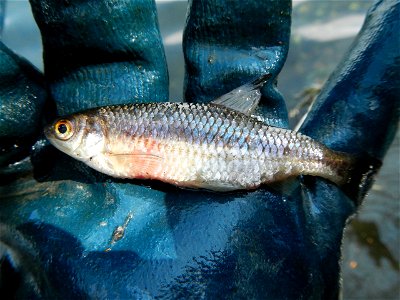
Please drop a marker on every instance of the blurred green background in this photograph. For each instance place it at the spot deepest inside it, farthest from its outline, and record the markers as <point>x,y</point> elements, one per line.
<point>322,32</point>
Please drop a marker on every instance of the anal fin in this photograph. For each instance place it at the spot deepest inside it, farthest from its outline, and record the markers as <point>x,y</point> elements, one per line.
<point>216,186</point>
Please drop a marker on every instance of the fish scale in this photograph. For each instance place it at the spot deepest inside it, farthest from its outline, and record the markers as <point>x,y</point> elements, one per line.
<point>203,146</point>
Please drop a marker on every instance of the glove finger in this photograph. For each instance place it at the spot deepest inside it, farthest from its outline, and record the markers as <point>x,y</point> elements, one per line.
<point>225,50</point>
<point>22,98</point>
<point>357,112</point>
<point>101,52</point>
<point>358,109</point>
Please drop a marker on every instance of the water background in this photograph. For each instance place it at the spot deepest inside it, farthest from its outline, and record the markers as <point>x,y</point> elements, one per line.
<point>322,31</point>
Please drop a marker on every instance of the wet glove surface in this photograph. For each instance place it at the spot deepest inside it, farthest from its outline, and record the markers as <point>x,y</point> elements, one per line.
<point>72,232</point>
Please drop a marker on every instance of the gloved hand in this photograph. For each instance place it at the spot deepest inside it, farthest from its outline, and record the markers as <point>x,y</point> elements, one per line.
<point>71,232</point>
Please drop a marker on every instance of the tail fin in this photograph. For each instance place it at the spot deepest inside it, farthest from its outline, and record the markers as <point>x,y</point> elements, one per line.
<point>361,177</point>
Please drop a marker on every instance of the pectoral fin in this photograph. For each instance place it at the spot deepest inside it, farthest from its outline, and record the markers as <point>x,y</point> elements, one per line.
<point>137,165</point>
<point>244,98</point>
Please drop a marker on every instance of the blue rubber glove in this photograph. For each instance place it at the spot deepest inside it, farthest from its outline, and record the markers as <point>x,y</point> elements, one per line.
<point>71,232</point>
<point>2,9</point>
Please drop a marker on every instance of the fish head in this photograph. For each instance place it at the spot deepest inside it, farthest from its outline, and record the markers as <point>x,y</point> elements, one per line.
<point>78,136</point>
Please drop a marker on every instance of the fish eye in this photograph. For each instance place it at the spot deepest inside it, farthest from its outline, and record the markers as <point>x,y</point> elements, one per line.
<point>63,129</point>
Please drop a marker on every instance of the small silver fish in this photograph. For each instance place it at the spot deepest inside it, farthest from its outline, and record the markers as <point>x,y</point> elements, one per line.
<point>217,146</point>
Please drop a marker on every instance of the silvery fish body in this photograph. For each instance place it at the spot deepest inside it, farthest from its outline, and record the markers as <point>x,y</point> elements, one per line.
<point>206,146</point>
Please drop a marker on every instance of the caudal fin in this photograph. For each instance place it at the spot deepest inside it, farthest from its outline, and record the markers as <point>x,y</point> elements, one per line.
<point>361,177</point>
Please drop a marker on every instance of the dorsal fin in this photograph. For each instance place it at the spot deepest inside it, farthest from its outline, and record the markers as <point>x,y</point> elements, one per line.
<point>244,98</point>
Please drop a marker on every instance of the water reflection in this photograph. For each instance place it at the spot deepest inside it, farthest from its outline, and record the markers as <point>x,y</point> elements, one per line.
<point>367,235</point>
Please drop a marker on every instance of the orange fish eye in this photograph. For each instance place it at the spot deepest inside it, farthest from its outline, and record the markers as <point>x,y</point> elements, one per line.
<point>63,129</point>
